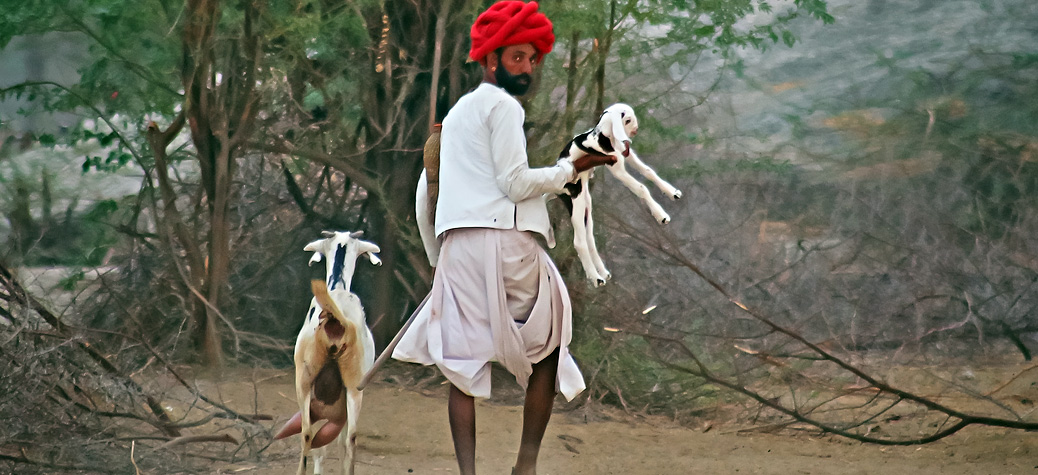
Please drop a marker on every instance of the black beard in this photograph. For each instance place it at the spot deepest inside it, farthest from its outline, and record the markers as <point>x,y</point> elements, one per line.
<point>514,84</point>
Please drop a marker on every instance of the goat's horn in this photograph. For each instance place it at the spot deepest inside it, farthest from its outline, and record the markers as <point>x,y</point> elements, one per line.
<point>356,234</point>
<point>327,233</point>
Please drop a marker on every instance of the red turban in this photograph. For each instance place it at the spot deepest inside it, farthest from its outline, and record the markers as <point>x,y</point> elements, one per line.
<point>511,23</point>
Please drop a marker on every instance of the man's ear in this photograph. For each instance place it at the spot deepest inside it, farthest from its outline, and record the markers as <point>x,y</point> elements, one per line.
<point>491,60</point>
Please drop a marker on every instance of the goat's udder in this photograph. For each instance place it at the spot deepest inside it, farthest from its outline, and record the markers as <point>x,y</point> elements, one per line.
<point>292,427</point>
<point>328,432</point>
<point>325,435</point>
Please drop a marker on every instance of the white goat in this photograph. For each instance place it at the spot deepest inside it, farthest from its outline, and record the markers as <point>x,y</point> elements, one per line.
<point>333,352</point>
<point>612,136</point>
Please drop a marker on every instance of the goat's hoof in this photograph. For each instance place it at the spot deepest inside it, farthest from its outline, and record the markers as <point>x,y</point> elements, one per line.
<point>665,220</point>
<point>676,196</point>
<point>596,280</point>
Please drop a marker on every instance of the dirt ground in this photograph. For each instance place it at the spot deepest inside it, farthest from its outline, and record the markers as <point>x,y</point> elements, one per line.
<point>403,430</point>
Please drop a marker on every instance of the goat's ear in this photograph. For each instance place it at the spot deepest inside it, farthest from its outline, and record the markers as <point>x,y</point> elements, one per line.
<point>314,246</point>
<point>370,250</point>
<point>314,258</point>
<point>375,261</point>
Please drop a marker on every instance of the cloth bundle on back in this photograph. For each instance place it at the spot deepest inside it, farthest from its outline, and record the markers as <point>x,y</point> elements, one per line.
<point>431,158</point>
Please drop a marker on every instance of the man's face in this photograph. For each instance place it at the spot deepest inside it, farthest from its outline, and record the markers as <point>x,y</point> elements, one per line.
<point>514,68</point>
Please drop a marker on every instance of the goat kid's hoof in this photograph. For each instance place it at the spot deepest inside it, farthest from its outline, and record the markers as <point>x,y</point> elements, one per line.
<point>676,196</point>
<point>600,282</point>
<point>665,220</point>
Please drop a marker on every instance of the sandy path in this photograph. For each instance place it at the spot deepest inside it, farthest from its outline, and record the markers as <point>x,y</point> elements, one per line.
<point>404,430</point>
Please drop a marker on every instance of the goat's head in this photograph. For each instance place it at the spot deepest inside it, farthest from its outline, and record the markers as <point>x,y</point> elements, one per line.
<point>340,250</point>
<point>626,115</point>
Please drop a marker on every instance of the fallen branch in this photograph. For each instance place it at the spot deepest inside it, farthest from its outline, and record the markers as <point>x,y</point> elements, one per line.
<point>194,439</point>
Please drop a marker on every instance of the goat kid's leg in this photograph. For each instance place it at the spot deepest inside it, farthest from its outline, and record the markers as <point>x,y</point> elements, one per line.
<point>592,246</point>
<point>579,217</point>
<point>649,173</point>
<point>349,439</point>
<point>639,190</point>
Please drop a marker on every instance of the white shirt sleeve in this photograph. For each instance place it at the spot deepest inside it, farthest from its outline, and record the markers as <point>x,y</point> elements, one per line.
<point>511,167</point>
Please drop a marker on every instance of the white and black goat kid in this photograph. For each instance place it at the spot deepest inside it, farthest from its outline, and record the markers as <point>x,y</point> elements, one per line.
<point>612,136</point>
<point>334,350</point>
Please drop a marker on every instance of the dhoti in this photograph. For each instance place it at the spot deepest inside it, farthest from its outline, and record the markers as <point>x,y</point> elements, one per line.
<point>496,296</point>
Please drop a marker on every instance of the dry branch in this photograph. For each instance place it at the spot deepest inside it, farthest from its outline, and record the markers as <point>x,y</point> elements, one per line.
<point>20,296</point>
<point>666,245</point>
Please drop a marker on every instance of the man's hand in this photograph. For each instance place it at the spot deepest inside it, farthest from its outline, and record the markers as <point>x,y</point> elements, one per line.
<point>590,161</point>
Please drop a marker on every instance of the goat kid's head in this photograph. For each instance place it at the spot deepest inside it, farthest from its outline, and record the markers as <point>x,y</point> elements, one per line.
<point>626,115</point>
<point>340,250</point>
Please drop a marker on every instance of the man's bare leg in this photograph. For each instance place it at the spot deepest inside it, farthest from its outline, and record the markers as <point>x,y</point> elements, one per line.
<point>540,397</point>
<point>461,409</point>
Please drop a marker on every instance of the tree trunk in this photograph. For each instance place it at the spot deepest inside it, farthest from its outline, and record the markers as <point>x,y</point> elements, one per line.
<point>603,53</point>
<point>434,88</point>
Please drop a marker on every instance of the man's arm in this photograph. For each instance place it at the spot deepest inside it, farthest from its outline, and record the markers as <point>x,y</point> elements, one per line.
<point>511,166</point>
<point>514,175</point>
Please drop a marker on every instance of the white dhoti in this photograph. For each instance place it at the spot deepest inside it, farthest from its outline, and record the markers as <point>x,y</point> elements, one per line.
<point>496,296</point>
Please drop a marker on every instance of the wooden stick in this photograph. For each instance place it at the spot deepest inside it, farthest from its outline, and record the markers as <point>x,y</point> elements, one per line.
<point>386,353</point>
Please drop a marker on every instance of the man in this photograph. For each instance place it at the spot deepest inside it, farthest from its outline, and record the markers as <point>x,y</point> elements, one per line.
<point>496,294</point>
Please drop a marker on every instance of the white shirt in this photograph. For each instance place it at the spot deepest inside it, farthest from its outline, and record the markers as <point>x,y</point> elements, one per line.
<point>485,178</point>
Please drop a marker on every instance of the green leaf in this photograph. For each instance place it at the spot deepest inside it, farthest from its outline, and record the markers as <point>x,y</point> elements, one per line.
<point>705,31</point>
<point>68,283</point>
<point>106,140</point>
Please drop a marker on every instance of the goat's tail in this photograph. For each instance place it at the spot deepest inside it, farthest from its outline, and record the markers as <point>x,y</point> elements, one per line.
<point>320,290</point>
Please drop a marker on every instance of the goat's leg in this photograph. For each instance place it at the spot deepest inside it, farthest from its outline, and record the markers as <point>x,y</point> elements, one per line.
<point>592,246</point>
<point>318,456</point>
<point>579,217</point>
<point>647,171</point>
<point>349,439</point>
<point>306,426</point>
<point>641,191</point>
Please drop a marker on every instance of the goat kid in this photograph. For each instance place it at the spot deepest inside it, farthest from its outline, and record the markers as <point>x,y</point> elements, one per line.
<point>334,350</point>
<point>612,136</point>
